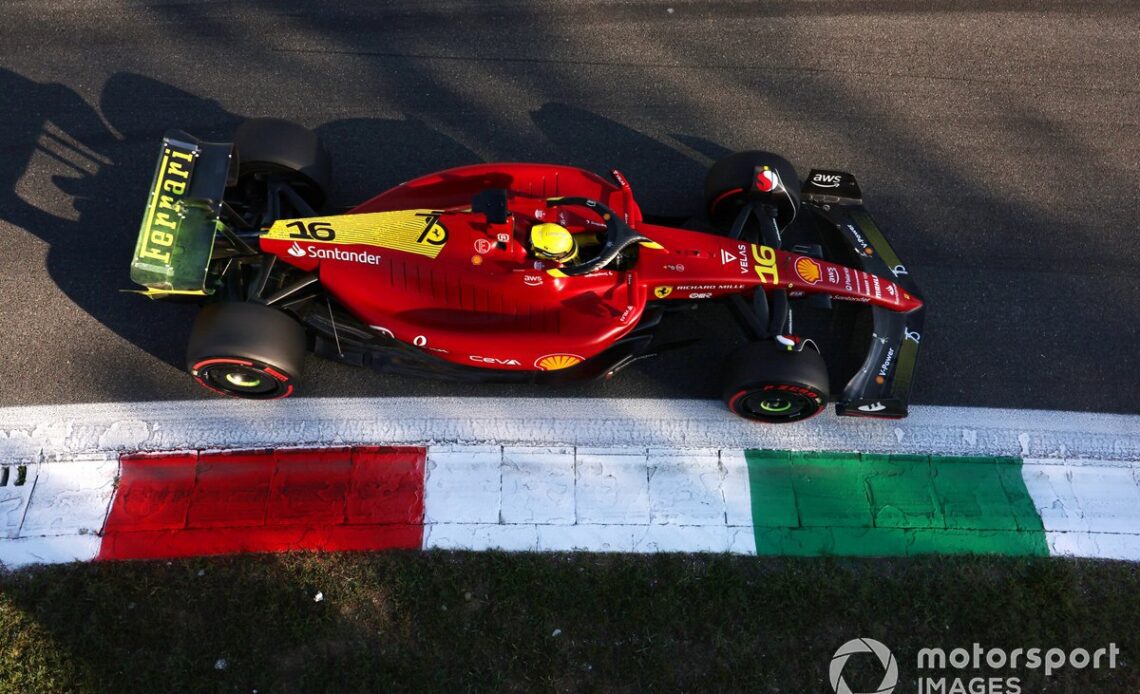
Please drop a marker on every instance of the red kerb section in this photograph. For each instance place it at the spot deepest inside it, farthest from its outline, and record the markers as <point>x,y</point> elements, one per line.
<point>191,504</point>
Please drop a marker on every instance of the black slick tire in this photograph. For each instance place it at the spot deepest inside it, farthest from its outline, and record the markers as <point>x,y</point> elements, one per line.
<point>765,382</point>
<point>272,146</point>
<point>246,350</point>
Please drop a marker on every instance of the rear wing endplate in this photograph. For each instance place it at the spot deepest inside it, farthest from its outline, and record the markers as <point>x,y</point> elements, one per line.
<point>176,239</point>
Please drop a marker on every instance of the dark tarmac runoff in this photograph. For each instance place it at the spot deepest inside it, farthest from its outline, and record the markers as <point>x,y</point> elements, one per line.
<point>997,145</point>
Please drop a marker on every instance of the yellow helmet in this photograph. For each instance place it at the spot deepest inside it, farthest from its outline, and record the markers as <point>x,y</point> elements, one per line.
<point>553,242</point>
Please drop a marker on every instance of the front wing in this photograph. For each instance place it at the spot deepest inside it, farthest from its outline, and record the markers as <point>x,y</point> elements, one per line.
<point>881,387</point>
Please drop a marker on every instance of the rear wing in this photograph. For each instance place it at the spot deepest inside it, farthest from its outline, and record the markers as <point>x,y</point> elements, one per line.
<point>881,387</point>
<point>176,239</point>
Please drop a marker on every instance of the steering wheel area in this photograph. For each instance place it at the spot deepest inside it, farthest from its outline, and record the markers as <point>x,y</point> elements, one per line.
<point>619,235</point>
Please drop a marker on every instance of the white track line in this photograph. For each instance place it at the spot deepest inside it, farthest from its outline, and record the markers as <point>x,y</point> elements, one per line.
<point>34,434</point>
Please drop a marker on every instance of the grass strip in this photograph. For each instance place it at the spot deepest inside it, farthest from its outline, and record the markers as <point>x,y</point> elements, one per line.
<point>441,621</point>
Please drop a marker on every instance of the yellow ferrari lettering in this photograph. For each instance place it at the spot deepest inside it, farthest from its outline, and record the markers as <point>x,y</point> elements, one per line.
<point>155,254</point>
<point>765,257</point>
<point>161,238</point>
<point>184,156</point>
<point>161,221</point>
<point>412,231</point>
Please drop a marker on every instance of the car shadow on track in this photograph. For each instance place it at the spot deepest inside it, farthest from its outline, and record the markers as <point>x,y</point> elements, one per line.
<point>76,177</point>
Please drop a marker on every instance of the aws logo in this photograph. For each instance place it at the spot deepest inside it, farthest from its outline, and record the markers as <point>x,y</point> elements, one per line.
<point>826,180</point>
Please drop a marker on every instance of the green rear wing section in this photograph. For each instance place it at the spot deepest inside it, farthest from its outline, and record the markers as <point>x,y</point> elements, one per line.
<point>176,239</point>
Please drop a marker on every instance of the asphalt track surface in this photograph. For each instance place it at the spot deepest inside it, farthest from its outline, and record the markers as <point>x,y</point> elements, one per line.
<point>997,144</point>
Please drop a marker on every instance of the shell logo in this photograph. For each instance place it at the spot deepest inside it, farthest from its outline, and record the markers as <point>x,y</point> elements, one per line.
<point>808,270</point>
<point>554,362</point>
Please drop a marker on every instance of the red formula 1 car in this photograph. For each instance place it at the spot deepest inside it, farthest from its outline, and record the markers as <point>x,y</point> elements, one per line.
<point>511,272</point>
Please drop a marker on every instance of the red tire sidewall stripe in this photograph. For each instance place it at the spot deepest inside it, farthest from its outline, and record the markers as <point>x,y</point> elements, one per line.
<point>242,362</point>
<point>720,198</point>
<point>207,362</point>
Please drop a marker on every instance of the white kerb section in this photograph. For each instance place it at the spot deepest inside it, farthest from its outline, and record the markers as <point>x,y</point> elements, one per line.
<point>1089,508</point>
<point>600,500</point>
<point>53,512</point>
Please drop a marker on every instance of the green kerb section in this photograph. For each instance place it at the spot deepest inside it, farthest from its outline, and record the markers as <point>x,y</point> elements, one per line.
<point>858,504</point>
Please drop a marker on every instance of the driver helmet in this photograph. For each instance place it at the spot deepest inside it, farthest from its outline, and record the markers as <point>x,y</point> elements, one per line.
<point>553,242</point>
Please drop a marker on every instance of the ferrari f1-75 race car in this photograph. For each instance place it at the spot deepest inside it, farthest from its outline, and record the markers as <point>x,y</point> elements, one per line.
<point>512,272</point>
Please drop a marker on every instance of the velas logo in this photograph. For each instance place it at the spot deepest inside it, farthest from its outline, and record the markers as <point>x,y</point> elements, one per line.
<point>296,251</point>
<point>853,647</point>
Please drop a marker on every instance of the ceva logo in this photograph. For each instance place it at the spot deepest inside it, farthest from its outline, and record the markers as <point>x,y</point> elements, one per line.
<point>296,251</point>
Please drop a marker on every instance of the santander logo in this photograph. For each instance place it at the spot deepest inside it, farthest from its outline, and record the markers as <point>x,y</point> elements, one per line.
<point>333,254</point>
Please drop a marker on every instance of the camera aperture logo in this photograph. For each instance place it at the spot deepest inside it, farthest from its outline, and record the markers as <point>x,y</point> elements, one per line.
<point>974,670</point>
<point>886,658</point>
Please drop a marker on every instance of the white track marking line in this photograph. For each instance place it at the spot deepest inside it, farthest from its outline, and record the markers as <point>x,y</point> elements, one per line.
<point>35,434</point>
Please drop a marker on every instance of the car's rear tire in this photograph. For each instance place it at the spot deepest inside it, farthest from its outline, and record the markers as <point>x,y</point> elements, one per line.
<point>246,350</point>
<point>728,181</point>
<point>268,146</point>
<point>765,382</point>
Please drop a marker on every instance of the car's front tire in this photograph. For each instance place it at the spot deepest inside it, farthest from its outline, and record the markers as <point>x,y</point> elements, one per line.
<point>766,382</point>
<point>728,181</point>
<point>246,350</point>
